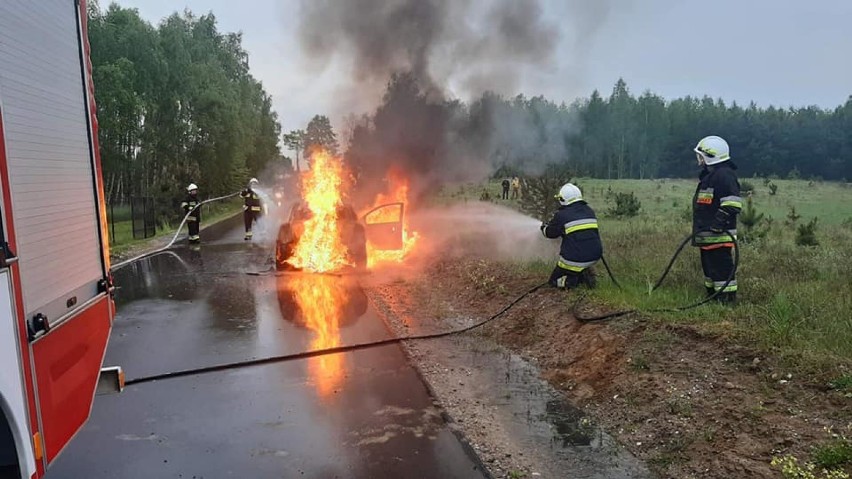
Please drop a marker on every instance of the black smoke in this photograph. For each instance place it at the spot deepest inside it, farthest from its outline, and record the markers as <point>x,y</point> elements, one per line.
<point>411,59</point>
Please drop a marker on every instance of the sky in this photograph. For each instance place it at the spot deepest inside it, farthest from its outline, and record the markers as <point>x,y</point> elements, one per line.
<point>781,52</point>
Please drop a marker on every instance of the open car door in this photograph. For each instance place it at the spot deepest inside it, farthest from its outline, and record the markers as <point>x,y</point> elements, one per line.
<point>383,225</point>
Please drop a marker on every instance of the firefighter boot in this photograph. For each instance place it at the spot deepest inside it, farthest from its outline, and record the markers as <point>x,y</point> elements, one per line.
<point>248,235</point>
<point>728,299</point>
<point>589,278</point>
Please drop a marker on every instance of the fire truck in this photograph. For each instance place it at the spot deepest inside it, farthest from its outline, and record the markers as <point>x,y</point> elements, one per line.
<point>56,306</point>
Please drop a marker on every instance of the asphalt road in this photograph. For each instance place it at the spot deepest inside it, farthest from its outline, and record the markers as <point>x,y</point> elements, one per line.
<point>364,414</point>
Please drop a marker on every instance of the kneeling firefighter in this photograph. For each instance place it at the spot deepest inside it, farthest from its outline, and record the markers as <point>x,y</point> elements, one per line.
<point>715,207</point>
<point>251,206</point>
<point>576,224</point>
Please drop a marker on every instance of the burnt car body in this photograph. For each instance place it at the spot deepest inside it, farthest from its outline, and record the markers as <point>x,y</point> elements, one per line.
<point>381,226</point>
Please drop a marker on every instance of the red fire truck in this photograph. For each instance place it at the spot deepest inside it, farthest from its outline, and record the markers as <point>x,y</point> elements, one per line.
<point>56,308</point>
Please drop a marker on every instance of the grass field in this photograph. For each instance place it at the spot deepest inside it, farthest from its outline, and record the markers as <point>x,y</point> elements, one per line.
<point>794,300</point>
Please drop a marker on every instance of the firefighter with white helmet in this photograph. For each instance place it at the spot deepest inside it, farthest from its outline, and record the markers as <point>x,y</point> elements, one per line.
<point>190,206</point>
<point>251,206</point>
<point>575,222</point>
<point>715,207</point>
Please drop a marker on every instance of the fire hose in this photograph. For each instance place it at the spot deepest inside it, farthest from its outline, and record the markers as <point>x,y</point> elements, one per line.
<point>711,297</point>
<point>401,339</point>
<point>126,262</point>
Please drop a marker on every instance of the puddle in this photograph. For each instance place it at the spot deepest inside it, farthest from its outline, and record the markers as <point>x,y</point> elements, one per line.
<point>539,417</point>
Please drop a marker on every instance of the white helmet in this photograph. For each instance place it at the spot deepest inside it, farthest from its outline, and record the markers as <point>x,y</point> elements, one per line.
<point>713,150</point>
<point>253,181</point>
<point>568,194</point>
<point>192,186</point>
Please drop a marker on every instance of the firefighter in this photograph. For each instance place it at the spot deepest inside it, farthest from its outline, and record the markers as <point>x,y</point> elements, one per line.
<point>576,224</point>
<point>505,185</point>
<point>251,207</point>
<point>516,188</point>
<point>190,206</point>
<point>714,214</point>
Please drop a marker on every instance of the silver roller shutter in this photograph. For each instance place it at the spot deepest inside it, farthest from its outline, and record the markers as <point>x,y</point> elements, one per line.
<point>48,152</point>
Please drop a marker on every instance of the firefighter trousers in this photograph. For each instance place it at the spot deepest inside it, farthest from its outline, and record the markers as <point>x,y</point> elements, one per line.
<point>249,217</point>
<point>193,226</point>
<point>718,263</point>
<point>565,278</point>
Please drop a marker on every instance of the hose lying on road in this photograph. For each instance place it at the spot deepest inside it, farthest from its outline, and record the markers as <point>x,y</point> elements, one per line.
<point>687,240</point>
<point>323,352</point>
<point>126,262</point>
<point>400,339</point>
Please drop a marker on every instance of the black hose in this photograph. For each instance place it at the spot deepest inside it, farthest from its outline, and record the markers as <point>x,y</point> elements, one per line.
<point>687,240</point>
<point>326,351</point>
<point>396,340</point>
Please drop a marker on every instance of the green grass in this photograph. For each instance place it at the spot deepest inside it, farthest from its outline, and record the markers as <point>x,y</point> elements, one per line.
<point>793,300</point>
<point>123,239</point>
<point>833,454</point>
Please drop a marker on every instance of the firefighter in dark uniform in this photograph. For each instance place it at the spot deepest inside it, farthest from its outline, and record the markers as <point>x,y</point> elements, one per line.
<point>575,222</point>
<point>715,207</point>
<point>252,207</point>
<point>190,206</point>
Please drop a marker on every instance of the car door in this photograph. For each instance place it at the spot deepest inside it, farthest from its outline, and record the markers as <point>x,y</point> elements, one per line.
<point>384,226</point>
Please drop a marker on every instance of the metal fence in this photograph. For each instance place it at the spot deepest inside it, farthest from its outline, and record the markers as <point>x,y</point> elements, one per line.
<point>143,216</point>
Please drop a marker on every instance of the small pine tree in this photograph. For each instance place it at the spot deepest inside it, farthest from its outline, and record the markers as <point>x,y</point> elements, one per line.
<point>792,216</point>
<point>752,220</point>
<point>746,187</point>
<point>806,233</point>
<point>537,193</point>
<point>626,205</point>
<point>773,188</point>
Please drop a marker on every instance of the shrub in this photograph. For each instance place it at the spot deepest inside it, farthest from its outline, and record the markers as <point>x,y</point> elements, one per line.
<point>746,187</point>
<point>806,234</point>
<point>792,216</point>
<point>752,220</point>
<point>773,188</point>
<point>626,205</point>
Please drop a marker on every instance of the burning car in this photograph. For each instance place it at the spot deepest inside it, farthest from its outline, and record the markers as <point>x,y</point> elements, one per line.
<point>380,228</point>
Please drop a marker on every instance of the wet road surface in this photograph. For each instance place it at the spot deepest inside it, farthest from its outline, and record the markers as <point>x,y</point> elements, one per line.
<point>364,414</point>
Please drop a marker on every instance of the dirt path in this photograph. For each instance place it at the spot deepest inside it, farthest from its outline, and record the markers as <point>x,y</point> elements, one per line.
<point>687,403</point>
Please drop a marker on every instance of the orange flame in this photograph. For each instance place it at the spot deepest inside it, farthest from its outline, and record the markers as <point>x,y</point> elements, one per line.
<point>320,248</point>
<point>398,193</point>
<point>321,300</point>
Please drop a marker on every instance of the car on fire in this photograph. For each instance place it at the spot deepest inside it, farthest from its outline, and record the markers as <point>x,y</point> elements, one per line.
<point>381,227</point>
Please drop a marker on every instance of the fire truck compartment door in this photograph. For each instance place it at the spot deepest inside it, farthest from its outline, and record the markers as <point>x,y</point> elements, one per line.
<point>384,225</point>
<point>49,155</point>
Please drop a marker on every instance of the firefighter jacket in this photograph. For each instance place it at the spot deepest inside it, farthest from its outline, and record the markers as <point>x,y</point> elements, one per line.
<point>716,205</point>
<point>190,204</point>
<point>581,243</point>
<point>251,201</point>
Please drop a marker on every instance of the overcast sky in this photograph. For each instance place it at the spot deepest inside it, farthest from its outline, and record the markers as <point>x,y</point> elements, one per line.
<point>781,52</point>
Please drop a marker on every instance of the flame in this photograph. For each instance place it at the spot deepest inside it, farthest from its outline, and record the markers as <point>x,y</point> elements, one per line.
<point>321,300</point>
<point>320,248</point>
<point>398,193</point>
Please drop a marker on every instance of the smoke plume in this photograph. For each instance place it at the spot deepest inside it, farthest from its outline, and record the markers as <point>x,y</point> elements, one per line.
<point>411,60</point>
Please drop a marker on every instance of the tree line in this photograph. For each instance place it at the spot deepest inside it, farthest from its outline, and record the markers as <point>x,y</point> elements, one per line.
<point>614,136</point>
<point>176,104</point>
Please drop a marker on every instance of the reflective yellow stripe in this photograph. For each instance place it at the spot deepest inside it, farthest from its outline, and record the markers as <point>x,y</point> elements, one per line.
<point>576,269</point>
<point>574,229</point>
<point>255,208</point>
<point>736,204</point>
<point>714,239</point>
